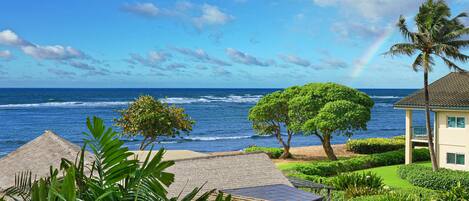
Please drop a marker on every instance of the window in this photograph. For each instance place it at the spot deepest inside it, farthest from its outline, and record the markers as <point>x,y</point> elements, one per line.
<point>456,122</point>
<point>452,158</point>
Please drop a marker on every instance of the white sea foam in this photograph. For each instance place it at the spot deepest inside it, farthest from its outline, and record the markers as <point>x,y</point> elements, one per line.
<point>71,104</point>
<point>385,97</point>
<point>214,138</point>
<point>171,100</point>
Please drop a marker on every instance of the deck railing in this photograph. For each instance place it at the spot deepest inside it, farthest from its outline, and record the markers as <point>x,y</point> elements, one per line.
<point>420,133</point>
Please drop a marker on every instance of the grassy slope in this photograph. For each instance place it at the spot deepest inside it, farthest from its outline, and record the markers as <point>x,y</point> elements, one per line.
<point>390,177</point>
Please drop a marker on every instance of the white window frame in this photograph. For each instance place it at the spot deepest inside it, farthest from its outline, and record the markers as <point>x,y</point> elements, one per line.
<point>456,122</point>
<point>456,158</point>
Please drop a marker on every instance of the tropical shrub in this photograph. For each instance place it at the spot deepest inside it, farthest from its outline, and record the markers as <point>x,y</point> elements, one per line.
<point>374,145</point>
<point>457,193</point>
<point>115,174</point>
<point>331,168</point>
<point>413,194</point>
<point>442,179</point>
<point>358,184</point>
<point>272,152</point>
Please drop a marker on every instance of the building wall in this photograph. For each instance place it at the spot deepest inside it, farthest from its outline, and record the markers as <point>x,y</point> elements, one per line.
<point>452,140</point>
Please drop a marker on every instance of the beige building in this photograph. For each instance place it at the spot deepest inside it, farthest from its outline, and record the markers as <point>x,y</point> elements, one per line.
<point>449,103</point>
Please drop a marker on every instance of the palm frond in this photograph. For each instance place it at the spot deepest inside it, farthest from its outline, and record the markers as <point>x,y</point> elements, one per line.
<point>402,49</point>
<point>418,62</point>
<point>402,25</point>
<point>451,64</point>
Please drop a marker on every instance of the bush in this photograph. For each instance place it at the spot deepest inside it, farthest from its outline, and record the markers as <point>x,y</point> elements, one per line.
<point>272,152</point>
<point>331,168</point>
<point>355,179</point>
<point>414,194</point>
<point>375,145</point>
<point>442,179</point>
<point>358,184</point>
<point>456,193</point>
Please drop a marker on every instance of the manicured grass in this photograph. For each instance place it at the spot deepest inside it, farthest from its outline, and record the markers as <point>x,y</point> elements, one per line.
<point>287,166</point>
<point>390,177</point>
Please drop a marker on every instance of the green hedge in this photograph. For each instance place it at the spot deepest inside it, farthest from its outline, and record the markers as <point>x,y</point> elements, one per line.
<point>331,168</point>
<point>375,145</point>
<point>423,176</point>
<point>271,151</point>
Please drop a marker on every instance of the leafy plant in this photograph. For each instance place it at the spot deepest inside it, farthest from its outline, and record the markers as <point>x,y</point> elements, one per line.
<point>331,168</point>
<point>151,118</point>
<point>442,179</point>
<point>457,193</point>
<point>272,152</point>
<point>375,145</point>
<point>110,176</point>
<point>437,36</point>
<point>358,184</point>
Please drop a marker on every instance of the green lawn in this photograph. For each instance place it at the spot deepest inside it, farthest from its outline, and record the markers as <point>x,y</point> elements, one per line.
<point>390,177</point>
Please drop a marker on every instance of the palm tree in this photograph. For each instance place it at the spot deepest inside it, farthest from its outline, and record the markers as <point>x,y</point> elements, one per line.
<point>437,36</point>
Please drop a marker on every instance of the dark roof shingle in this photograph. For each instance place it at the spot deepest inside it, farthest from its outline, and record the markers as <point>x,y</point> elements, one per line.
<point>449,92</point>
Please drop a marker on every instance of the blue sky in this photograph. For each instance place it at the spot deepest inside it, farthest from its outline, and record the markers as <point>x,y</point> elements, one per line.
<point>230,43</point>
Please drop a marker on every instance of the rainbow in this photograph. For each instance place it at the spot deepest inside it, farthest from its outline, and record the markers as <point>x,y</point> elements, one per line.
<point>370,52</point>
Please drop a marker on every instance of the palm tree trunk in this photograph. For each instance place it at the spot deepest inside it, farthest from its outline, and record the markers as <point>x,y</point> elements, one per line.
<point>431,147</point>
<point>326,144</point>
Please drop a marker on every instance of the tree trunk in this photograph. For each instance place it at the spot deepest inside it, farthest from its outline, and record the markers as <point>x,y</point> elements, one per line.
<point>286,146</point>
<point>326,144</point>
<point>286,153</point>
<point>427,118</point>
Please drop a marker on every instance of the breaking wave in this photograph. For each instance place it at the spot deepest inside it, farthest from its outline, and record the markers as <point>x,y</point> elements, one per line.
<point>171,100</point>
<point>386,97</point>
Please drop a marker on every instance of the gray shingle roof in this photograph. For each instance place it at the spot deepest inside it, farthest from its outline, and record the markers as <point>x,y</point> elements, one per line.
<point>225,172</point>
<point>276,192</point>
<point>449,92</point>
<point>37,156</point>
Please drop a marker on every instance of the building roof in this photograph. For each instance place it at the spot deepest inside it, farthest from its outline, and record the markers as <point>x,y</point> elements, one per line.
<point>169,154</point>
<point>225,172</point>
<point>37,156</point>
<point>449,92</point>
<point>276,192</point>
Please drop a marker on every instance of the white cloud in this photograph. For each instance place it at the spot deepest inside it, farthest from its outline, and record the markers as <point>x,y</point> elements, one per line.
<point>201,56</point>
<point>8,37</point>
<point>292,59</point>
<point>52,52</point>
<point>374,9</point>
<point>241,57</point>
<point>211,15</point>
<point>143,9</point>
<point>152,59</point>
<point>49,52</point>
<point>5,54</point>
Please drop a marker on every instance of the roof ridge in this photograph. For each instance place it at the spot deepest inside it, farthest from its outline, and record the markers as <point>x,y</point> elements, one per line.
<point>221,156</point>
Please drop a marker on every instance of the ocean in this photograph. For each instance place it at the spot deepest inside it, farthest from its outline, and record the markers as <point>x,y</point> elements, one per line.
<point>220,116</point>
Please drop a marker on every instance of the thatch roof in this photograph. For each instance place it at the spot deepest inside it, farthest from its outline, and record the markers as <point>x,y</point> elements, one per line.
<point>36,156</point>
<point>225,172</point>
<point>449,92</point>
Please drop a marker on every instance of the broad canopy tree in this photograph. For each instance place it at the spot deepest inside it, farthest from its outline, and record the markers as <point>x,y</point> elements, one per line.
<point>327,109</point>
<point>270,116</point>
<point>151,118</point>
<point>320,109</point>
